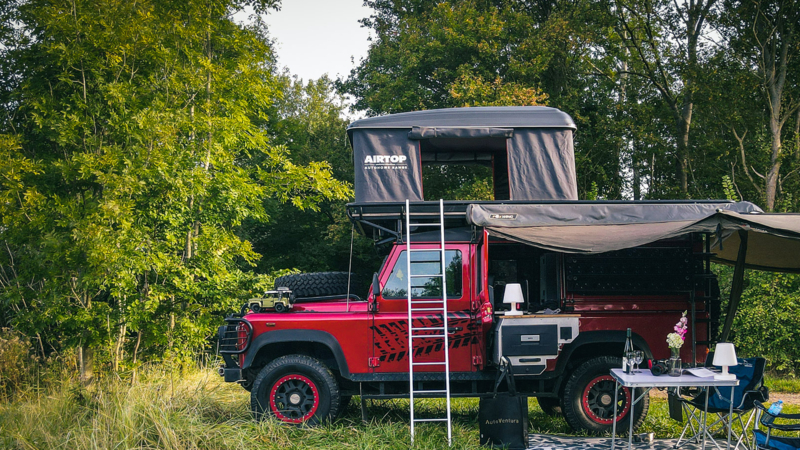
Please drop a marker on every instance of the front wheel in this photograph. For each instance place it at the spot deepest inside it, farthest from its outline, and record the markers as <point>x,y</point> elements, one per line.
<point>295,389</point>
<point>589,398</point>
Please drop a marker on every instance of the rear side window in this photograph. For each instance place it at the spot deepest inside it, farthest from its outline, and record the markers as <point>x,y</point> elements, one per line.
<point>425,263</point>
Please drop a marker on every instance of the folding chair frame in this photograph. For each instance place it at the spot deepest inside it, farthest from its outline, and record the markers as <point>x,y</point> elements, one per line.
<point>725,418</point>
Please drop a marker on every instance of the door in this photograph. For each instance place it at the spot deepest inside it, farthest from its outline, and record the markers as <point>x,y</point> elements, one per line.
<point>390,327</point>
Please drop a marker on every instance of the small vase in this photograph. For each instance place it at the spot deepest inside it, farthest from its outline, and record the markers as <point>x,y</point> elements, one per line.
<point>675,362</point>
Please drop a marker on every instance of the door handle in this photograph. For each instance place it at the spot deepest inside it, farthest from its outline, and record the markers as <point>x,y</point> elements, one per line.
<point>452,330</point>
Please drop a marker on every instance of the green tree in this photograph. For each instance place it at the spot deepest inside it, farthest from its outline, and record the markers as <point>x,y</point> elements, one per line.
<point>135,145</point>
<point>763,38</point>
<point>309,120</point>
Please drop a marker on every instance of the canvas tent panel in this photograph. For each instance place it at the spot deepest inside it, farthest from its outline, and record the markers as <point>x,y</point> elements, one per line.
<point>531,150</point>
<point>541,165</point>
<point>387,166</point>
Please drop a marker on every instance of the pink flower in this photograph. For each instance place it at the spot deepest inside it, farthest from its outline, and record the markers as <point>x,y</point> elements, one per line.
<point>684,320</point>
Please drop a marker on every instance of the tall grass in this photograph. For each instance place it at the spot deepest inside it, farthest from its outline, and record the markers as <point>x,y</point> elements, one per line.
<point>198,411</point>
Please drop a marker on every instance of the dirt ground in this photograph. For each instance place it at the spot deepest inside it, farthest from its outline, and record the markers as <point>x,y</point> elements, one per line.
<point>791,398</point>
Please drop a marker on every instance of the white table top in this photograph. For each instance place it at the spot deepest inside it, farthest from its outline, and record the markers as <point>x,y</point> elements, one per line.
<point>646,379</point>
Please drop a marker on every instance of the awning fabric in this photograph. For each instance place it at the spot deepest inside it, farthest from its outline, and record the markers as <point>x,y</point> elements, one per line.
<point>773,239</point>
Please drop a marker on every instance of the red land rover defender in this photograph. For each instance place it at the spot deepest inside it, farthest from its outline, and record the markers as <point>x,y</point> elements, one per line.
<point>585,277</point>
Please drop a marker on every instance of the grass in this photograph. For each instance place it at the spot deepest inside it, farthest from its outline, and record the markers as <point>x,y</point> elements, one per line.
<point>199,411</point>
<point>780,384</point>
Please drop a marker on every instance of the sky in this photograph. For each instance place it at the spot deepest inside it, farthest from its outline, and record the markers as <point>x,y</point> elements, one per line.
<point>315,37</point>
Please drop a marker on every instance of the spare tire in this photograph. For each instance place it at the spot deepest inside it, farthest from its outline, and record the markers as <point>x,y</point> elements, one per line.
<point>318,284</point>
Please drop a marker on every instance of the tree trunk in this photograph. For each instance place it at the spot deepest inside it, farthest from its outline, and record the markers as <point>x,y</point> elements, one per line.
<point>775,163</point>
<point>683,153</point>
<point>797,137</point>
<point>85,360</point>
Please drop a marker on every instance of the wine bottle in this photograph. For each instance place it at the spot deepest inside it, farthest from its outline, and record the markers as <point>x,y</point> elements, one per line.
<point>627,365</point>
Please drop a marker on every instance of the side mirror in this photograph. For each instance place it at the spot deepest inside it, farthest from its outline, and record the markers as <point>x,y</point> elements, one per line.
<point>376,285</point>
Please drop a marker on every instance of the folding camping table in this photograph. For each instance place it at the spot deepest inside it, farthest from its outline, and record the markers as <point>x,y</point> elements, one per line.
<point>645,379</point>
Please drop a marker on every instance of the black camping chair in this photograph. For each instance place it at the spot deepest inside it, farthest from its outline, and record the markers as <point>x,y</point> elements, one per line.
<point>750,373</point>
<point>765,441</point>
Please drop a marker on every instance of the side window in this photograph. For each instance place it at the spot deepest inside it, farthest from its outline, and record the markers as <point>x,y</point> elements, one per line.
<point>425,263</point>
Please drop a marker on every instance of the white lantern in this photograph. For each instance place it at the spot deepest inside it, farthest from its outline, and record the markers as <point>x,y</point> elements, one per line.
<point>513,296</point>
<point>725,356</point>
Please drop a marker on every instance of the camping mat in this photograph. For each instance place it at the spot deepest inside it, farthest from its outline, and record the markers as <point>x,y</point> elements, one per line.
<point>550,442</point>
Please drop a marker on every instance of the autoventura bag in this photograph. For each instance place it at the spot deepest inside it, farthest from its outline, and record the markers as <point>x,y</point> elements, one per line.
<point>503,418</point>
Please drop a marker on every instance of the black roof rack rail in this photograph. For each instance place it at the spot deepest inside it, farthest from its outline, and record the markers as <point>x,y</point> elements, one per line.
<point>383,221</point>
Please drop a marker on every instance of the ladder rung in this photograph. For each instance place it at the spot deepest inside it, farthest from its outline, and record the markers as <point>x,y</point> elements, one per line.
<point>431,420</point>
<point>424,224</point>
<point>426,328</point>
<point>427,309</point>
<point>415,250</point>
<point>429,363</point>
<point>427,336</point>
<point>431,392</point>
<point>414,302</point>
<point>426,276</point>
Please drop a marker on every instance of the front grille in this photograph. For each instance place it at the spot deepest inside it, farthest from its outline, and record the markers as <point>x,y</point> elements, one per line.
<point>234,336</point>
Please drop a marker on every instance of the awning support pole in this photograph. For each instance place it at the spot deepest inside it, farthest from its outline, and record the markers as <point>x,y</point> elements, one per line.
<point>737,286</point>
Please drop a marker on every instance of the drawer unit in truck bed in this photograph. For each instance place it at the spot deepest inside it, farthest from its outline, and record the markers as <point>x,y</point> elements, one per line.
<point>529,341</point>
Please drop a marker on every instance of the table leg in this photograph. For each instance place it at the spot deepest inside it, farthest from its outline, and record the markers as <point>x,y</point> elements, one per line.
<point>614,420</point>
<point>730,421</point>
<point>705,423</point>
<point>630,414</point>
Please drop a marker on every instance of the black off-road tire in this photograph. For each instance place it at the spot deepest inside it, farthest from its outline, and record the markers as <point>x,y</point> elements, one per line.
<point>296,389</point>
<point>318,284</point>
<point>589,398</point>
<point>550,406</point>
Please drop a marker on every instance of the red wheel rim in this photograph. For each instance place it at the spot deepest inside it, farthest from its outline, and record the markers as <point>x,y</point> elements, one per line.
<point>598,400</point>
<point>294,399</point>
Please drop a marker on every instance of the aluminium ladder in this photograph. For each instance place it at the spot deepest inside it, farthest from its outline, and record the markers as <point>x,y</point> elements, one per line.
<point>439,332</point>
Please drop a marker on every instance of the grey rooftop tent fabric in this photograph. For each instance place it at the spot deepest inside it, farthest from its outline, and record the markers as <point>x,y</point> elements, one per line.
<point>529,148</point>
<point>477,117</point>
<point>773,239</point>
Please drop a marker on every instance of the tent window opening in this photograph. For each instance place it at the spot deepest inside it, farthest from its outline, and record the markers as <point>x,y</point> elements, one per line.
<point>465,169</point>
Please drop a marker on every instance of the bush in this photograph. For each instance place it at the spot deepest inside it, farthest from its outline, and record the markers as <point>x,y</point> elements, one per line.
<point>768,321</point>
<point>15,362</point>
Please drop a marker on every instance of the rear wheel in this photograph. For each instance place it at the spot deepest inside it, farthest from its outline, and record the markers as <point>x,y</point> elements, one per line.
<point>295,389</point>
<point>589,398</point>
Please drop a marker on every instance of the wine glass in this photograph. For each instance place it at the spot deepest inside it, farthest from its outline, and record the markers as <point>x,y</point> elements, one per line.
<point>629,356</point>
<point>638,356</point>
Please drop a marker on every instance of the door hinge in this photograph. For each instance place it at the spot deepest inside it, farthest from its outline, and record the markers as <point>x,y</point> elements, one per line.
<point>373,361</point>
<point>477,360</point>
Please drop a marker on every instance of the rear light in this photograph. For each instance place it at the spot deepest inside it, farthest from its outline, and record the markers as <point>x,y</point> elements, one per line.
<point>242,336</point>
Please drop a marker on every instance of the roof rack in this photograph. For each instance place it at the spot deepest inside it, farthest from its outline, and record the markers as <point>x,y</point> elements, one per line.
<point>384,221</point>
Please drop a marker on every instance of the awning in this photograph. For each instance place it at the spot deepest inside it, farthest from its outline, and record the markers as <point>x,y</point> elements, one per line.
<point>773,239</point>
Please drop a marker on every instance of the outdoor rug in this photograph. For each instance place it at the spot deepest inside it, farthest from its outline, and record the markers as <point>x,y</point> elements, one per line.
<point>550,442</point>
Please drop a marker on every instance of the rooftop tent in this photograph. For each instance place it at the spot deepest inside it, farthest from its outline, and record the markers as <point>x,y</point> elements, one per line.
<point>529,148</point>
<point>773,239</point>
